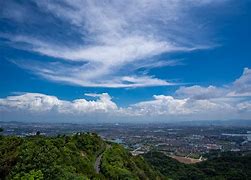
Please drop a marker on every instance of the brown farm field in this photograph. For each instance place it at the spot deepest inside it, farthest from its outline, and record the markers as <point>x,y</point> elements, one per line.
<point>185,160</point>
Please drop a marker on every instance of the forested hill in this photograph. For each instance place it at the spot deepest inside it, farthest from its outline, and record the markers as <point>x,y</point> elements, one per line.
<point>228,165</point>
<point>69,157</point>
<point>87,156</point>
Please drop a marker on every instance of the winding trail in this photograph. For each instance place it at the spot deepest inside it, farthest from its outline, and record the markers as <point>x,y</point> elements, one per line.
<point>98,160</point>
<point>97,163</point>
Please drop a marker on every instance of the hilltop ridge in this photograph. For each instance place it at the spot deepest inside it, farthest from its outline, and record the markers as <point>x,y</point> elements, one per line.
<point>69,157</point>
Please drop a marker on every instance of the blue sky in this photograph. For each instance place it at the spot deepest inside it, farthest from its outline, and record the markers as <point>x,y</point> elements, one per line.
<point>173,59</point>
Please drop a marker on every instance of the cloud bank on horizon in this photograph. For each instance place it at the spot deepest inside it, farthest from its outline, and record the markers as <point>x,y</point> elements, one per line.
<point>194,102</point>
<point>102,45</point>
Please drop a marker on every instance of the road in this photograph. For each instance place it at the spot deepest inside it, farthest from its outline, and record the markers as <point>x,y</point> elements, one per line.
<point>98,160</point>
<point>97,163</point>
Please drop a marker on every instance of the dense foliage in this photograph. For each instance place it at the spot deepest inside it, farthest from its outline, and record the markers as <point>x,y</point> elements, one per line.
<point>68,157</point>
<point>225,166</point>
<point>62,157</point>
<point>228,165</point>
<point>119,164</point>
<point>171,167</point>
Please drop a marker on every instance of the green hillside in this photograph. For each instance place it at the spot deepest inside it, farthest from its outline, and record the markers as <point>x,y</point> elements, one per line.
<point>68,157</point>
<point>224,166</point>
<point>87,156</point>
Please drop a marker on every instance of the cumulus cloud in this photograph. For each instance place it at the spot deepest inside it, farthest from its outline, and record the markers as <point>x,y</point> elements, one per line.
<point>198,92</point>
<point>164,108</point>
<point>105,37</point>
<point>168,105</point>
<point>33,102</point>
<point>41,103</point>
<point>242,86</point>
<point>187,103</point>
<point>197,102</point>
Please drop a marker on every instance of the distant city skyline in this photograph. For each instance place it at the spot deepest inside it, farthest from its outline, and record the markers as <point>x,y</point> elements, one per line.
<point>125,61</point>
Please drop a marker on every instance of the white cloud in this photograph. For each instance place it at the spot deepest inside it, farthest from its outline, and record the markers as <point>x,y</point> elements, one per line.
<point>196,102</point>
<point>198,92</point>
<point>41,103</point>
<point>244,106</point>
<point>192,103</point>
<point>118,82</point>
<point>242,86</point>
<point>171,106</point>
<point>161,107</point>
<point>187,103</point>
<point>30,101</point>
<point>113,35</point>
